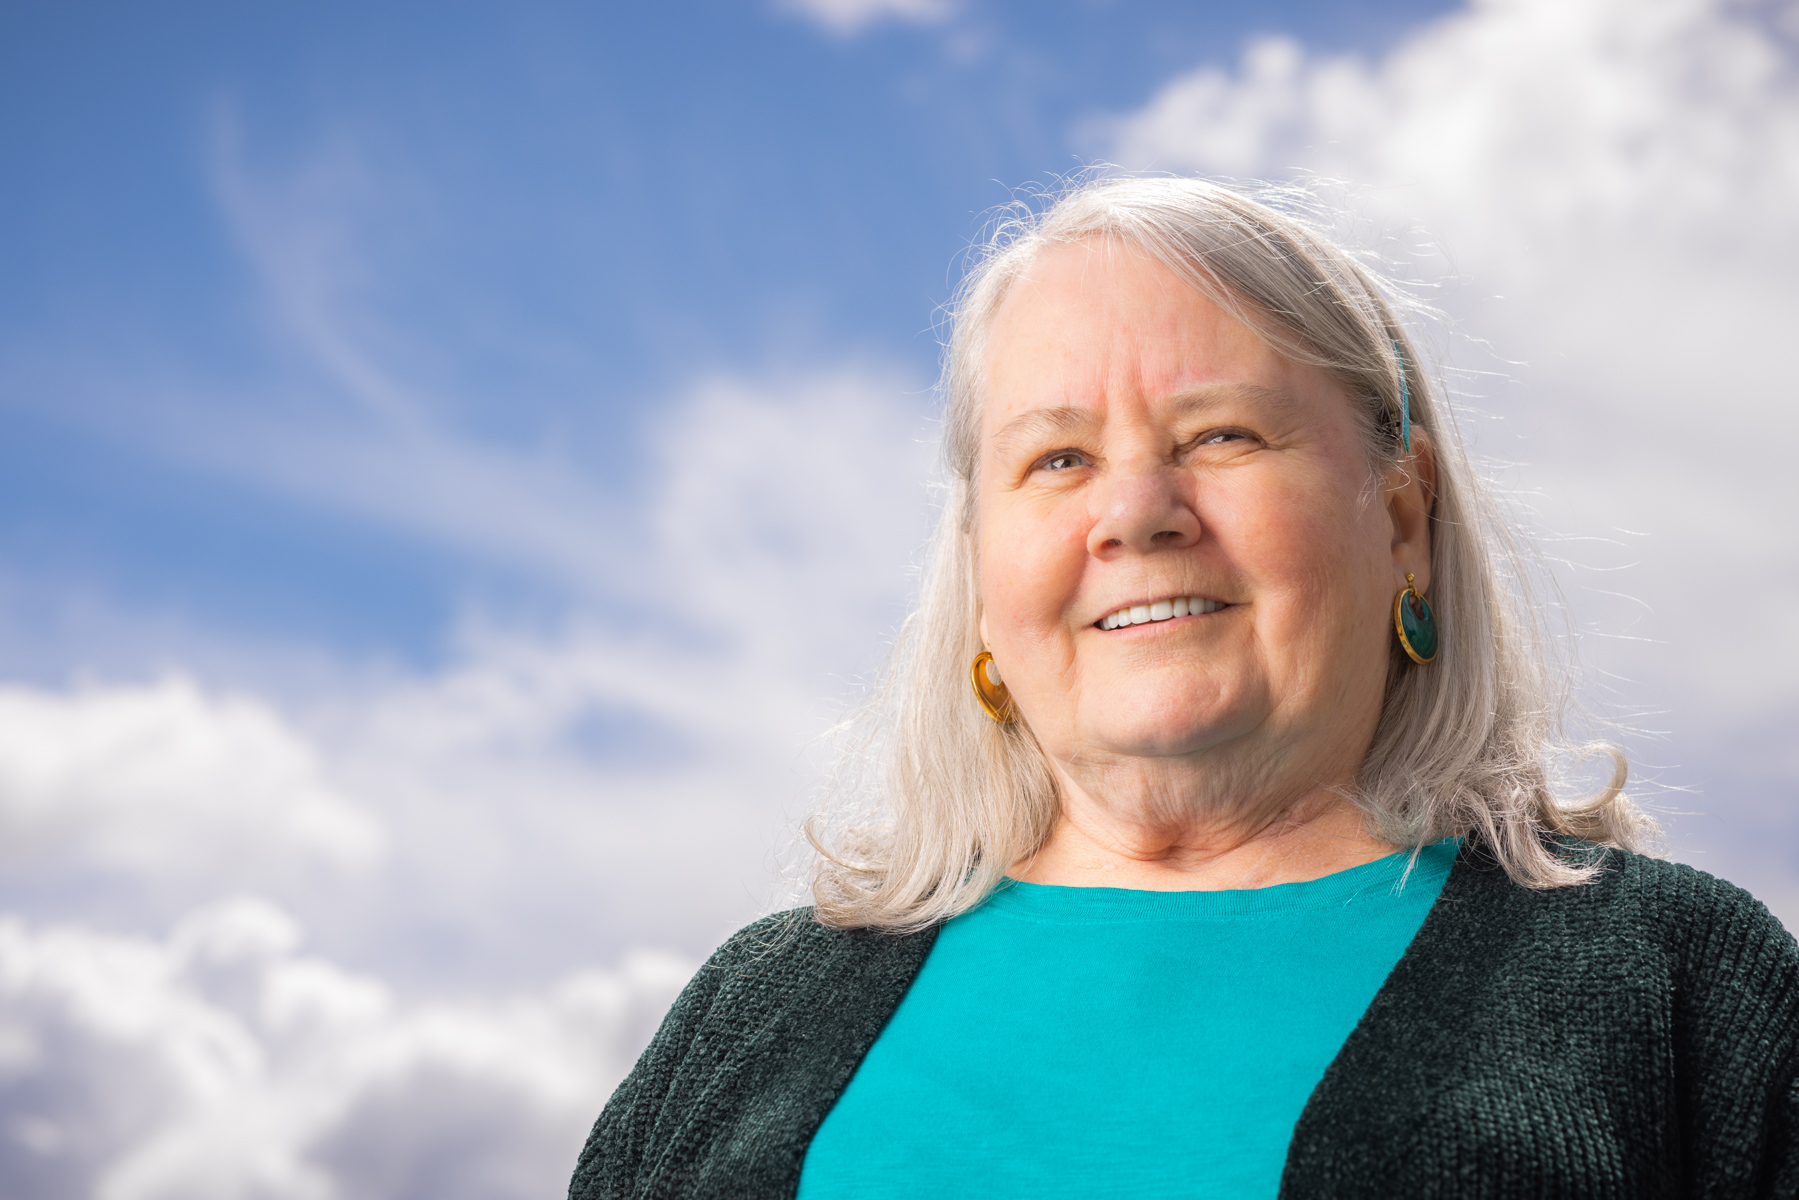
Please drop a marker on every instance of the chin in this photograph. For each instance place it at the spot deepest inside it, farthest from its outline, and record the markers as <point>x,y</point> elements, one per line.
<point>1169,725</point>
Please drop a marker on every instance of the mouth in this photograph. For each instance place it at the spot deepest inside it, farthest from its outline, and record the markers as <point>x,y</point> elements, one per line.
<point>1159,610</point>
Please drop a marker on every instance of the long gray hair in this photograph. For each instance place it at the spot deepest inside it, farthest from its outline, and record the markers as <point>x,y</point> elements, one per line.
<point>931,801</point>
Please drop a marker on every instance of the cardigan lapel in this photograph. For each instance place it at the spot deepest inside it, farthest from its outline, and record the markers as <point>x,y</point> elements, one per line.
<point>1476,1069</point>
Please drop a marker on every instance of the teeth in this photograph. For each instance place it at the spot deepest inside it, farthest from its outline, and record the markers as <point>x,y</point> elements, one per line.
<point>1161,610</point>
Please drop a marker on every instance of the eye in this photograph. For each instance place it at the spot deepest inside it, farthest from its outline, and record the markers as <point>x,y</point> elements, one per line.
<point>1064,460</point>
<point>1221,437</point>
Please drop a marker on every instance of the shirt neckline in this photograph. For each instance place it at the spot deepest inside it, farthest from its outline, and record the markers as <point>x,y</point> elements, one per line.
<point>1385,879</point>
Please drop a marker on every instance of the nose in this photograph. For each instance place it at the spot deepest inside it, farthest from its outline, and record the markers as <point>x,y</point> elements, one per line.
<point>1141,511</point>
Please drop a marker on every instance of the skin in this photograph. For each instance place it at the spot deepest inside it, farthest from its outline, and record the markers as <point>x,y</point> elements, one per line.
<point>1139,444</point>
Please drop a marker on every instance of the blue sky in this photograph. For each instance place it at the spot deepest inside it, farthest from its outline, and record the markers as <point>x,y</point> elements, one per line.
<point>543,216</point>
<point>456,463</point>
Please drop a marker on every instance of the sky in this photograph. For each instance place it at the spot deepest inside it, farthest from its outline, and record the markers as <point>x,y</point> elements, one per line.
<point>456,461</point>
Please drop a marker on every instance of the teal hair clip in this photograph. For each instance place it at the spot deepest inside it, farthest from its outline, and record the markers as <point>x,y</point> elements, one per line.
<point>1405,402</point>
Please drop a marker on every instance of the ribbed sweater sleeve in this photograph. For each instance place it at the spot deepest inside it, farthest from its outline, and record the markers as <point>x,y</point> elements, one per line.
<point>1736,1037</point>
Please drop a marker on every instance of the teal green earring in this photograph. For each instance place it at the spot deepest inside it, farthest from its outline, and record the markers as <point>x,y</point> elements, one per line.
<point>1413,622</point>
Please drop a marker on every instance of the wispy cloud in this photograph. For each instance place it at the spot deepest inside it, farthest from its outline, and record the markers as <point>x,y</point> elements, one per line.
<point>847,18</point>
<point>372,443</point>
<point>360,437</point>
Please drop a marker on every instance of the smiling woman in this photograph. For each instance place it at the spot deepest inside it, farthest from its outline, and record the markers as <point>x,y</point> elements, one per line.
<point>1241,871</point>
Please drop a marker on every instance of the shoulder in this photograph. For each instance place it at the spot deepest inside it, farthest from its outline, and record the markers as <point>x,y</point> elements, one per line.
<point>1695,915</point>
<point>785,978</point>
<point>1627,887</point>
<point>794,947</point>
<point>782,935</point>
<point>1654,922</point>
<point>1718,936</point>
<point>768,943</point>
<point>1661,885</point>
<point>749,1059</point>
<point>1649,1015</point>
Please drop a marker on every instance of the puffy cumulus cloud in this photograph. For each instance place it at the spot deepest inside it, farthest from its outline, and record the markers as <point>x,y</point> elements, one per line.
<point>223,1062</point>
<point>1598,120</point>
<point>551,796</point>
<point>165,779</point>
<point>846,18</point>
<point>1624,173</point>
<point>639,774</point>
<point>1615,185</point>
<point>1612,192</point>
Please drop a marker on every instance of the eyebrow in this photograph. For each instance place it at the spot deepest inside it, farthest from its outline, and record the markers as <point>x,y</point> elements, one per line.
<point>1187,403</point>
<point>1048,423</point>
<point>1042,424</point>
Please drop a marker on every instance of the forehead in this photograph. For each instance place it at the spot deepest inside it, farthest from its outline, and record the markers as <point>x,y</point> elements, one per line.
<point>1090,321</point>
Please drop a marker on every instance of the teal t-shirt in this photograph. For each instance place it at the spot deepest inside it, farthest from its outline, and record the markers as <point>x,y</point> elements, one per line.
<point>1084,1042</point>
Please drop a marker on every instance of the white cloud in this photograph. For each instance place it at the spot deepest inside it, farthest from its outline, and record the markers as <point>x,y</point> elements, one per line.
<point>1542,132</point>
<point>847,18</point>
<point>222,1062</point>
<point>370,442</point>
<point>645,768</point>
<point>632,769</point>
<point>551,796</point>
<point>1613,186</point>
<point>361,436</point>
<point>165,779</point>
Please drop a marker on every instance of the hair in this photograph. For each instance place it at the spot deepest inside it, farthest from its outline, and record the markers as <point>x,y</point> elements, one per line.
<point>932,801</point>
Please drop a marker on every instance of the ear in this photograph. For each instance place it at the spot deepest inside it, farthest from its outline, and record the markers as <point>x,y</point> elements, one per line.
<point>1411,495</point>
<point>984,642</point>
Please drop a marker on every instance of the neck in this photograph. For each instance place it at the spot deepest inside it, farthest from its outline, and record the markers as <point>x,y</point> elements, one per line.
<point>1143,842</point>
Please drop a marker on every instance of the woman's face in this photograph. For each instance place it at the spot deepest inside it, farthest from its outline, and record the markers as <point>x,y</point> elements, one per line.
<point>1141,447</point>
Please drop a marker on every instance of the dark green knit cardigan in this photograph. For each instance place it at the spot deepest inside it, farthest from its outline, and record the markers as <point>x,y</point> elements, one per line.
<point>1636,1037</point>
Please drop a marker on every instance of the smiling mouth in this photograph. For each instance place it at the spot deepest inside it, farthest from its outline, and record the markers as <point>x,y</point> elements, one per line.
<point>1161,610</point>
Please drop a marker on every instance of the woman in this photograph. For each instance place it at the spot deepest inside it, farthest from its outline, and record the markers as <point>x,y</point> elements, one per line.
<point>1237,870</point>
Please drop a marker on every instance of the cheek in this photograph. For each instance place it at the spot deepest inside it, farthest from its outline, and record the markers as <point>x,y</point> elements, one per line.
<point>1313,550</point>
<point>1031,564</point>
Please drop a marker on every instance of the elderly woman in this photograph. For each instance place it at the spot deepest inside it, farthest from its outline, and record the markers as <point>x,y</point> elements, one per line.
<point>1209,846</point>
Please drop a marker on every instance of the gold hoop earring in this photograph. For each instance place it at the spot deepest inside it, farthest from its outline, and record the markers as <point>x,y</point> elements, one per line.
<point>990,689</point>
<point>1415,624</point>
